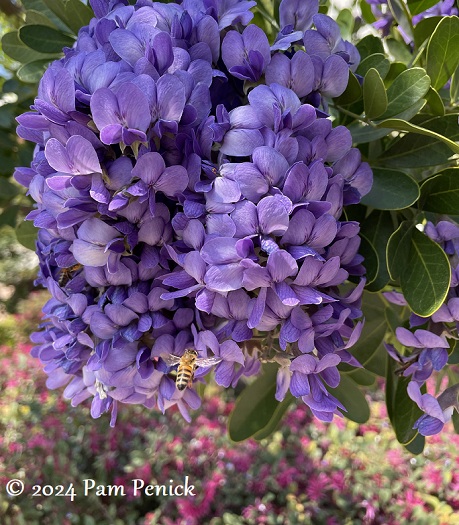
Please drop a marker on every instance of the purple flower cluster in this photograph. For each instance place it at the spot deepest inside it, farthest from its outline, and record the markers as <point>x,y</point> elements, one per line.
<point>177,212</point>
<point>385,19</point>
<point>429,344</point>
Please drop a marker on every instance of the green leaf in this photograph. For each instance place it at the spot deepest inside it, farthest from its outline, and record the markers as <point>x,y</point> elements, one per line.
<point>40,6</point>
<point>367,13</point>
<point>454,87</point>
<point>77,15</point>
<point>57,7</point>
<point>34,17</point>
<point>362,133</point>
<point>362,377</point>
<point>26,234</point>
<point>17,50</point>
<point>349,394</point>
<point>391,385</point>
<point>455,419</point>
<point>418,6</point>
<point>391,190</point>
<point>255,407</point>
<point>424,29</point>
<point>378,228</point>
<point>371,261</point>
<point>8,190</point>
<point>421,151</point>
<point>440,193</point>
<point>352,93</point>
<point>372,334</point>
<point>399,50</point>
<point>276,418</point>
<point>33,71</point>
<point>443,51</point>
<point>9,216</point>
<point>405,414</point>
<point>453,353</point>
<point>45,39</point>
<point>416,446</point>
<point>435,102</point>
<point>377,61</point>
<point>374,94</point>
<point>369,45</point>
<point>409,87</point>
<point>396,68</point>
<point>398,249</point>
<point>403,125</point>
<point>421,266</point>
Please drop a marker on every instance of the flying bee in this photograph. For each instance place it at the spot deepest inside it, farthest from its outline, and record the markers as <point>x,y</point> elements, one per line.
<point>68,273</point>
<point>187,365</point>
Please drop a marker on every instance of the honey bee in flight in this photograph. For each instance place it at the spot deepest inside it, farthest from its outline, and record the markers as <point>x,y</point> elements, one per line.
<point>68,273</point>
<point>187,365</point>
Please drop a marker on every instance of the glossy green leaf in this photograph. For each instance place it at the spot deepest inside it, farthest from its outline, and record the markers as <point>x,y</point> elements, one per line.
<point>41,7</point>
<point>372,334</point>
<point>435,102</point>
<point>392,190</point>
<point>424,29</point>
<point>362,133</point>
<point>255,407</point>
<point>403,125</point>
<point>415,150</point>
<point>26,234</point>
<point>391,385</point>
<point>454,87</point>
<point>416,446</point>
<point>418,6</point>
<point>371,261</point>
<point>352,93</point>
<point>422,268</point>
<point>396,68</point>
<point>44,39</point>
<point>398,249</point>
<point>350,395</point>
<point>377,61</point>
<point>34,17</point>
<point>374,94</point>
<point>443,51</point>
<point>409,87</point>
<point>378,228</point>
<point>17,50</point>
<point>440,193</point>
<point>77,15</point>
<point>33,71</point>
<point>276,418</point>
<point>57,7</point>
<point>369,45</point>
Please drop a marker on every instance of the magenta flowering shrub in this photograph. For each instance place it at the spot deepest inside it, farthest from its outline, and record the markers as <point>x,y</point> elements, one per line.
<point>189,192</point>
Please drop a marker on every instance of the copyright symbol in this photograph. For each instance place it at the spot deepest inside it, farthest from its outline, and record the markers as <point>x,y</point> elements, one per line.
<point>14,487</point>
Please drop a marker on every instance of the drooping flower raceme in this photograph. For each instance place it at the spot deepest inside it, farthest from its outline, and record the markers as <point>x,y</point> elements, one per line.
<point>176,212</point>
<point>429,345</point>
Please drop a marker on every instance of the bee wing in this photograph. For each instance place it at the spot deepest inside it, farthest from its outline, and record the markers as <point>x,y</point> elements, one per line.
<point>171,360</point>
<point>208,361</point>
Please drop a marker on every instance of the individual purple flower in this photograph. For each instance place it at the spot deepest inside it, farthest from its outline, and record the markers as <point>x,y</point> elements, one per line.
<point>155,177</point>
<point>296,73</point>
<point>437,411</point>
<point>121,117</point>
<point>246,55</point>
<point>98,244</point>
<point>297,13</point>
